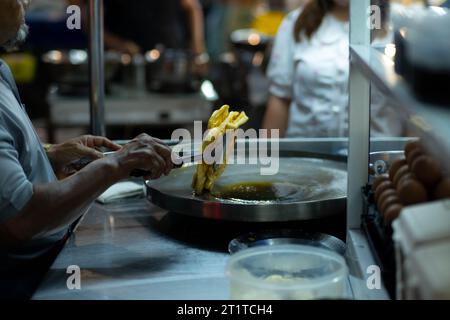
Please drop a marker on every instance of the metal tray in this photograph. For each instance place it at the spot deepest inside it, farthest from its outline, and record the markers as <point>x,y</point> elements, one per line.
<point>321,187</point>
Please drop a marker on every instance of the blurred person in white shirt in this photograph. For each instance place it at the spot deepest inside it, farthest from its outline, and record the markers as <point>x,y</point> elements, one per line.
<point>309,74</point>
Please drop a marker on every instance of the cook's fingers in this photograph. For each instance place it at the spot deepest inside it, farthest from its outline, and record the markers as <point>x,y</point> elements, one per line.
<point>163,150</point>
<point>156,171</point>
<point>159,141</point>
<point>97,141</point>
<point>157,164</point>
<point>84,151</point>
<point>110,144</point>
<point>166,153</point>
<point>146,138</point>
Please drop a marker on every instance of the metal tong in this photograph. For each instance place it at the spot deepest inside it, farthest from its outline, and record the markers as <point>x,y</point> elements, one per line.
<point>83,162</point>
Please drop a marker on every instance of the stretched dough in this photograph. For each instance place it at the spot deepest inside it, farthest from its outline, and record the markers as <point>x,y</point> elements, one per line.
<point>220,122</point>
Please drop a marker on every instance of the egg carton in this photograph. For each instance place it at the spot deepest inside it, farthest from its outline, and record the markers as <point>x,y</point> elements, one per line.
<point>380,240</point>
<point>422,241</point>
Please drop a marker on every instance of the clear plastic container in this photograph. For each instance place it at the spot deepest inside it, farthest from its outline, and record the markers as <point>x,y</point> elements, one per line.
<point>287,272</point>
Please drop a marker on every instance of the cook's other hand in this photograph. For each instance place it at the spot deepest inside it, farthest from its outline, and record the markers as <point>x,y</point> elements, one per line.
<point>63,155</point>
<point>144,153</point>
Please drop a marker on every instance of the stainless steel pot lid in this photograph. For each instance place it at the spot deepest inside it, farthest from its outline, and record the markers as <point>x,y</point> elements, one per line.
<point>280,237</point>
<point>304,189</point>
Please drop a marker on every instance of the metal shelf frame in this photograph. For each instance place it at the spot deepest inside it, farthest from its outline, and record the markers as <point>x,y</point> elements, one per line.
<point>359,255</point>
<point>369,67</point>
<point>430,122</point>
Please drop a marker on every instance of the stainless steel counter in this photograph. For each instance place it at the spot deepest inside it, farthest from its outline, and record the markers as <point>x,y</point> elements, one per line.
<point>132,107</point>
<point>122,255</point>
<point>134,250</point>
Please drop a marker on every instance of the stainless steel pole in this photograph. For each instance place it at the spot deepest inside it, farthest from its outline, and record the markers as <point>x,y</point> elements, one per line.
<point>96,68</point>
<point>359,117</point>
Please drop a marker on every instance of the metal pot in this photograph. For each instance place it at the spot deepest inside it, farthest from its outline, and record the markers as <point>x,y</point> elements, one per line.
<point>69,69</point>
<point>170,70</point>
<point>286,236</point>
<point>380,162</point>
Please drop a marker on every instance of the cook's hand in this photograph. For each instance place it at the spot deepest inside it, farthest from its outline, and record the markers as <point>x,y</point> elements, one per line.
<point>63,155</point>
<point>144,153</point>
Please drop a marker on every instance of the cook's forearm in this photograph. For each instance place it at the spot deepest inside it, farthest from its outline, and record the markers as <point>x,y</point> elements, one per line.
<point>277,114</point>
<point>54,206</point>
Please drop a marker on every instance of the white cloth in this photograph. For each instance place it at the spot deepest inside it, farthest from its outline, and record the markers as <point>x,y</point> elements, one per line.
<point>122,190</point>
<point>313,73</point>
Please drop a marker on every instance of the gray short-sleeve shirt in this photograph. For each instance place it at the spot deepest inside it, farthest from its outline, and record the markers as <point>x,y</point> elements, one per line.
<point>23,161</point>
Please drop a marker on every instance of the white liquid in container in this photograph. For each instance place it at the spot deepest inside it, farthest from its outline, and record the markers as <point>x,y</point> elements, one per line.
<point>287,272</point>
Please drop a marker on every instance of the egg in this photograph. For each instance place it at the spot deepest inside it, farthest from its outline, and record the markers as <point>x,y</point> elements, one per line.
<point>427,170</point>
<point>411,191</point>
<point>382,187</point>
<point>413,155</point>
<point>410,146</point>
<point>388,202</point>
<point>400,173</point>
<point>392,213</point>
<point>385,194</point>
<point>378,180</point>
<point>408,175</point>
<point>442,190</point>
<point>396,165</point>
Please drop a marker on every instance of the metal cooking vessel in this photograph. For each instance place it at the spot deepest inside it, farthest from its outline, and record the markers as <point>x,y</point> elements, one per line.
<point>282,237</point>
<point>170,70</point>
<point>381,161</point>
<point>315,188</point>
<point>69,69</point>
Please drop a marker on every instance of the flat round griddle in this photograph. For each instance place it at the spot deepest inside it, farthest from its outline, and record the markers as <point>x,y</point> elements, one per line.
<point>309,189</point>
